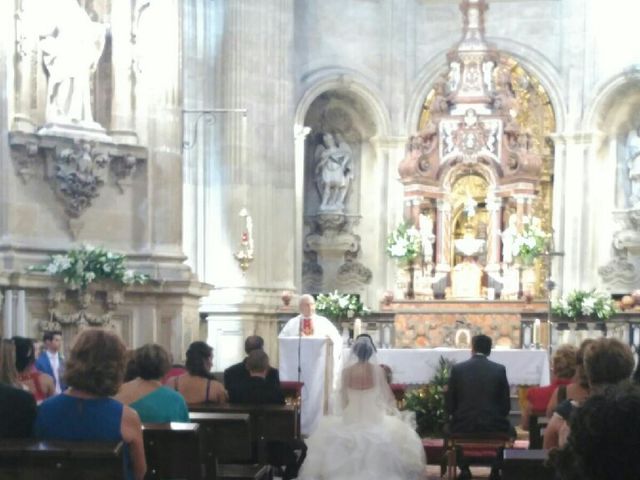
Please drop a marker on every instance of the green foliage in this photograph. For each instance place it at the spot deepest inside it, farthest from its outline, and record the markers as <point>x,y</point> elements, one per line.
<point>340,307</point>
<point>81,266</point>
<point>428,401</point>
<point>404,243</point>
<point>531,243</point>
<point>583,303</point>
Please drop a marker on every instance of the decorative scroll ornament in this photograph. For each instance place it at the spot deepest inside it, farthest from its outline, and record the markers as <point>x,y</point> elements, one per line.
<point>76,168</point>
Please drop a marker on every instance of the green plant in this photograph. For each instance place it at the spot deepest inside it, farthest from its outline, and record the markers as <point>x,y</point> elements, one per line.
<point>583,303</point>
<point>428,401</point>
<point>531,243</point>
<point>340,306</point>
<point>404,243</point>
<point>81,266</point>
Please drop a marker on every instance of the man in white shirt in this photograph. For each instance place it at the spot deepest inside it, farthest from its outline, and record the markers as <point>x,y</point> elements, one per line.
<point>50,361</point>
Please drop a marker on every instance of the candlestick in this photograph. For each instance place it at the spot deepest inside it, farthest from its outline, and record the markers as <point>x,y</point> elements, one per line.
<point>536,332</point>
<point>357,327</point>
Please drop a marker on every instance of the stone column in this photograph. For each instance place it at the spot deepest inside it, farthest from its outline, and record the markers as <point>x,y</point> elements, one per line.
<point>7,315</point>
<point>443,241</point>
<point>300,134</point>
<point>121,128</point>
<point>25,66</point>
<point>494,207</point>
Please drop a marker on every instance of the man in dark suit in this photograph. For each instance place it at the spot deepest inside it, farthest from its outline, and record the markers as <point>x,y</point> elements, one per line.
<point>237,376</point>
<point>477,398</point>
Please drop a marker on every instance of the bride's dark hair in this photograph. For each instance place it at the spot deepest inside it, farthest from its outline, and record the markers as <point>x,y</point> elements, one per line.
<point>363,348</point>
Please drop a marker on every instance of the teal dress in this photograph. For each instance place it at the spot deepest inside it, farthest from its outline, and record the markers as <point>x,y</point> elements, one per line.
<point>163,405</point>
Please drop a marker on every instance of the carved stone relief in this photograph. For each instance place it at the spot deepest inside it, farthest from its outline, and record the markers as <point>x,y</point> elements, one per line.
<point>76,169</point>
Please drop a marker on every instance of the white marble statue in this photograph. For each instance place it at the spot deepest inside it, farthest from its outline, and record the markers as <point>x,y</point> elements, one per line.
<point>425,222</point>
<point>333,172</point>
<point>508,237</point>
<point>71,46</point>
<point>633,163</point>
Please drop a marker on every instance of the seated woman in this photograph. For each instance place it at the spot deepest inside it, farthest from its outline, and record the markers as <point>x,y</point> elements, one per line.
<point>85,410</point>
<point>607,362</point>
<point>604,439</point>
<point>563,366</point>
<point>146,394</point>
<point>578,389</point>
<point>198,385</point>
<point>17,406</point>
<point>38,383</point>
<point>369,439</point>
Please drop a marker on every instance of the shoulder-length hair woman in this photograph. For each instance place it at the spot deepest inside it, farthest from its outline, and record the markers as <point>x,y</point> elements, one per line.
<point>198,385</point>
<point>85,411</point>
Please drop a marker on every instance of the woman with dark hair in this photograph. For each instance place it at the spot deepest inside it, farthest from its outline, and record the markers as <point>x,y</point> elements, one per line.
<point>38,383</point>
<point>370,438</point>
<point>607,362</point>
<point>85,411</point>
<point>198,385</point>
<point>17,406</point>
<point>146,395</point>
<point>604,438</point>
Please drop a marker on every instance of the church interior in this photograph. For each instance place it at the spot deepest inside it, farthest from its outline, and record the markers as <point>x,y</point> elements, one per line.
<point>177,171</point>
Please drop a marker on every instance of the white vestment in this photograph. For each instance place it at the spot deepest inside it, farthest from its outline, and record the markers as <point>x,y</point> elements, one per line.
<point>322,328</point>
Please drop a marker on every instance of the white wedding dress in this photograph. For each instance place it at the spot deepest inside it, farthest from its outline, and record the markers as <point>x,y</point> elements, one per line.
<point>370,439</point>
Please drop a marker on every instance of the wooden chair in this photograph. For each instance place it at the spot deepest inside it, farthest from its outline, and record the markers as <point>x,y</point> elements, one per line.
<point>172,450</point>
<point>526,465</point>
<point>227,446</point>
<point>53,460</point>
<point>476,447</point>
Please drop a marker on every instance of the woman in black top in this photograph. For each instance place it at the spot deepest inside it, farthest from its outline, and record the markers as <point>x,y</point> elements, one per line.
<point>17,406</point>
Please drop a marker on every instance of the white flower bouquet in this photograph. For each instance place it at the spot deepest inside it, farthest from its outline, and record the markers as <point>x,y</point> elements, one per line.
<point>82,266</point>
<point>531,243</point>
<point>404,243</point>
<point>340,306</point>
<point>582,303</point>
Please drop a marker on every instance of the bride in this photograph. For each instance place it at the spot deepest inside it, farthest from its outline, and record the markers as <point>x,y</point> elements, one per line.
<point>369,437</point>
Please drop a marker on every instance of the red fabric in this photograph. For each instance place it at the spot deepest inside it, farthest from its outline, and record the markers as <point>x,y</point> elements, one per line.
<point>34,376</point>
<point>434,450</point>
<point>291,387</point>
<point>174,372</point>
<point>538,397</point>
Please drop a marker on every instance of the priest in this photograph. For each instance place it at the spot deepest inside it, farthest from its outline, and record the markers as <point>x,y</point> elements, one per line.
<point>310,324</point>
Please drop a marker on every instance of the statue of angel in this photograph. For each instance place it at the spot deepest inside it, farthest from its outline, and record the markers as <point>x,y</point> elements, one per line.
<point>333,172</point>
<point>633,162</point>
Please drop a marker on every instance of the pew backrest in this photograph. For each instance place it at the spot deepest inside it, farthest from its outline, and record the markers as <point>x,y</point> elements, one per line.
<point>172,450</point>
<point>26,459</point>
<point>520,464</point>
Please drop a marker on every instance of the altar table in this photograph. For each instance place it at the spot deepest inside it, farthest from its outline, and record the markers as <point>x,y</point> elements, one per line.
<point>418,365</point>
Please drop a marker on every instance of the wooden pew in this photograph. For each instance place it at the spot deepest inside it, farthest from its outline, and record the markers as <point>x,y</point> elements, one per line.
<point>227,446</point>
<point>520,464</point>
<point>269,423</point>
<point>172,450</point>
<point>53,460</point>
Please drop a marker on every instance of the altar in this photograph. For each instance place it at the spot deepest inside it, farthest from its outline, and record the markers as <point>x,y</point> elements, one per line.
<point>417,366</point>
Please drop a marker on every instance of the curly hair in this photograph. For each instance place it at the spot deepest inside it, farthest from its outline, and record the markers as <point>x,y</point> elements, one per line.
<point>151,361</point>
<point>604,438</point>
<point>608,361</point>
<point>564,361</point>
<point>96,363</point>
<point>197,354</point>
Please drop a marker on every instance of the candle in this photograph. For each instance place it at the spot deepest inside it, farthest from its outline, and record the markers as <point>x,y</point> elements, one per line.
<point>536,332</point>
<point>357,327</point>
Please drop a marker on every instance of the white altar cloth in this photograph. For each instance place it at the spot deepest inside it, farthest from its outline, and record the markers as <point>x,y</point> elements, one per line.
<point>316,358</point>
<point>417,366</point>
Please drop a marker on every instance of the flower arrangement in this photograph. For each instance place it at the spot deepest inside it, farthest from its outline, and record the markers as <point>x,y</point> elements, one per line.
<point>428,402</point>
<point>340,306</point>
<point>531,243</point>
<point>582,303</point>
<point>81,266</point>
<point>404,243</point>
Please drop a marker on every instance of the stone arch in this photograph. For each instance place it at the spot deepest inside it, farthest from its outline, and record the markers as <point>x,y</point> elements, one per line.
<point>613,99</point>
<point>348,81</point>
<point>452,171</point>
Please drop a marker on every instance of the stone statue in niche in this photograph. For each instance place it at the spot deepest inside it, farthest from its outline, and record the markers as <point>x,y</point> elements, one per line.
<point>333,172</point>
<point>427,237</point>
<point>508,237</point>
<point>633,162</point>
<point>71,46</point>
